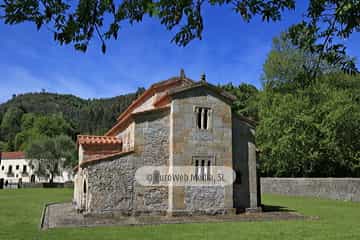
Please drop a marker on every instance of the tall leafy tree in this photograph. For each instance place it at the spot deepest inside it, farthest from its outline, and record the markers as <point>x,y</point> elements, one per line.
<point>51,155</point>
<point>288,67</point>
<point>311,132</point>
<point>307,128</point>
<point>10,125</point>
<point>246,102</point>
<point>327,23</point>
<point>35,126</point>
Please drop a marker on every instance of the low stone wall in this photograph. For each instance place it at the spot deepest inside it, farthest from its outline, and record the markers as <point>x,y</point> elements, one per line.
<point>347,189</point>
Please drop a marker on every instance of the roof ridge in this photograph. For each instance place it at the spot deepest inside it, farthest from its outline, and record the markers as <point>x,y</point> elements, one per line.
<point>219,90</point>
<point>105,157</point>
<point>147,93</point>
<point>85,135</point>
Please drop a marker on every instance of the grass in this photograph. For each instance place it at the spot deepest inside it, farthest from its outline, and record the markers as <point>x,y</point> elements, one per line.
<point>20,212</point>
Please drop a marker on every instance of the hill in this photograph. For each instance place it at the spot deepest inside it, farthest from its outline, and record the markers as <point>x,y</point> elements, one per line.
<point>85,116</point>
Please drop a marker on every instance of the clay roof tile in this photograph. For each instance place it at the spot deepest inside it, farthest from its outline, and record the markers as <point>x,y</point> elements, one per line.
<point>89,139</point>
<point>12,155</point>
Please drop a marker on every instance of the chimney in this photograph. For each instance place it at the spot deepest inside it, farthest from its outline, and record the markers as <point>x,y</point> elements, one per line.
<point>203,78</point>
<point>182,74</point>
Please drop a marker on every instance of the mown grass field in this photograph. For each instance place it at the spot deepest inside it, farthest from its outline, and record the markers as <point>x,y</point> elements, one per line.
<point>20,212</point>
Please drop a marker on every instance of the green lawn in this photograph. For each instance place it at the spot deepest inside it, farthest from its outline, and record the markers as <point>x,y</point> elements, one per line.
<point>20,212</point>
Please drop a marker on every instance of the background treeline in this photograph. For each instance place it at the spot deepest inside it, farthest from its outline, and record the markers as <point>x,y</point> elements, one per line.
<point>308,115</point>
<point>27,116</point>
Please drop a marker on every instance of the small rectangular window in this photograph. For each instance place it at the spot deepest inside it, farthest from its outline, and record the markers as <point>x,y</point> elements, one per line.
<point>208,170</point>
<point>24,168</point>
<point>198,120</point>
<point>17,167</point>
<point>202,169</point>
<point>202,117</point>
<point>205,123</point>
<point>196,167</point>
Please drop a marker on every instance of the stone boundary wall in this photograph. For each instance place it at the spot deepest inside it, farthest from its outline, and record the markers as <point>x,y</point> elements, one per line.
<point>347,189</point>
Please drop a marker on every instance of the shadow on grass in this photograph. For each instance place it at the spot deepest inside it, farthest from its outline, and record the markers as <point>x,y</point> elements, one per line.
<point>273,208</point>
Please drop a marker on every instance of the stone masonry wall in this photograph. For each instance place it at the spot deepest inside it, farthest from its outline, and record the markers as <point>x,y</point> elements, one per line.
<point>151,149</point>
<point>332,188</point>
<point>204,198</point>
<point>245,192</point>
<point>111,183</point>
<point>189,143</point>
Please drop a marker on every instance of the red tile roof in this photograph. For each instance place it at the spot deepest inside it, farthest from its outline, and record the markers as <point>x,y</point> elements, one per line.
<point>157,87</point>
<point>89,139</point>
<point>12,155</point>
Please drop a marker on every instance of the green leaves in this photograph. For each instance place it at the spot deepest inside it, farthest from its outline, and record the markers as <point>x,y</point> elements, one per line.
<point>311,132</point>
<point>246,102</point>
<point>70,116</point>
<point>35,126</point>
<point>51,155</point>
<point>78,24</point>
<point>268,10</point>
<point>328,23</point>
<point>325,25</point>
<point>309,123</point>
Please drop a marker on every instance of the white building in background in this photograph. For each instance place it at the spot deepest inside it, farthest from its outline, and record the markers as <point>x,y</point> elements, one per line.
<point>15,168</point>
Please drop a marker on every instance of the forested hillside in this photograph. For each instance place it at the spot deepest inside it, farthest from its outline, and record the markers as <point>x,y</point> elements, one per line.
<point>28,115</point>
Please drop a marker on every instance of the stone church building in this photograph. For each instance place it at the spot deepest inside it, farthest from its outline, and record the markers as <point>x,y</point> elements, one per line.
<point>177,122</point>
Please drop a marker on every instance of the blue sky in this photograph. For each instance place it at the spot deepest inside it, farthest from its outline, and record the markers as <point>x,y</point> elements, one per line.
<point>230,51</point>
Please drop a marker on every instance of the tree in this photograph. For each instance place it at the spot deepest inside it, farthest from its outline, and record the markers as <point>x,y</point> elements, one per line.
<point>308,126</point>
<point>3,146</point>
<point>36,126</point>
<point>10,125</point>
<point>325,21</point>
<point>288,67</point>
<point>311,132</point>
<point>246,102</point>
<point>52,125</point>
<point>77,24</point>
<point>51,155</point>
